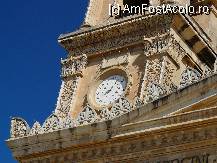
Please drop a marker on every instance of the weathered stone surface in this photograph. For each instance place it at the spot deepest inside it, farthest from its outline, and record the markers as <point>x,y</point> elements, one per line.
<point>167,111</point>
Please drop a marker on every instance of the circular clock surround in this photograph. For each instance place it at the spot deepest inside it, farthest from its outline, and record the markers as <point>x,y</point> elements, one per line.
<point>110,90</point>
<point>108,87</point>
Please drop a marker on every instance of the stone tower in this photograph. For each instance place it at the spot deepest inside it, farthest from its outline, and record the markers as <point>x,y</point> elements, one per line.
<point>135,88</point>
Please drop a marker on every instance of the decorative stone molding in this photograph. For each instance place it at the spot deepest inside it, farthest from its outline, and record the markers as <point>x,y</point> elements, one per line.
<point>172,88</point>
<point>52,123</point>
<point>156,45</point>
<point>19,128</point>
<point>189,76</point>
<point>157,80</point>
<point>103,40</point>
<point>87,116</point>
<point>207,71</point>
<point>121,107</point>
<point>137,103</point>
<point>176,51</point>
<point>66,97</point>
<point>61,119</point>
<point>154,92</point>
<point>105,114</point>
<point>71,73</point>
<point>73,66</point>
<point>68,122</point>
<point>215,66</point>
<point>135,147</point>
<point>35,130</point>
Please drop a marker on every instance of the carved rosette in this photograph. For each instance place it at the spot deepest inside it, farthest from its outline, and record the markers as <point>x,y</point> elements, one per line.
<point>19,128</point>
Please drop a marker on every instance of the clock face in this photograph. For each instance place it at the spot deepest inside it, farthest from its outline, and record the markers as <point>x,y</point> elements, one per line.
<point>110,90</point>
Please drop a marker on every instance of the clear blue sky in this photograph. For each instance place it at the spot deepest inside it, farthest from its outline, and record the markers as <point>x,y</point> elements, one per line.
<point>30,58</point>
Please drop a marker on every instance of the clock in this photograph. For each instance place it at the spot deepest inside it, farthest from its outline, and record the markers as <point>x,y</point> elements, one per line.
<point>110,90</point>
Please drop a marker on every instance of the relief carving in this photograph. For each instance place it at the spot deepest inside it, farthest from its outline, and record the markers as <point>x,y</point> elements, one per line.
<point>189,76</point>
<point>66,97</point>
<point>51,124</point>
<point>35,130</point>
<point>19,128</point>
<point>73,66</point>
<point>121,107</point>
<point>87,116</point>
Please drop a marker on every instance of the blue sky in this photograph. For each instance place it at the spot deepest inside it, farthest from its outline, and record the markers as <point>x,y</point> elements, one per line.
<point>30,58</point>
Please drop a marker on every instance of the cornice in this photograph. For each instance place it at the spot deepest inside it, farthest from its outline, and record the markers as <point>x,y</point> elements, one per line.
<point>129,26</point>
<point>187,132</point>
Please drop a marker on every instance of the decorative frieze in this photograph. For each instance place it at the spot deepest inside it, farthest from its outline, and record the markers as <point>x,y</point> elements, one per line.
<point>137,103</point>
<point>152,75</point>
<point>72,69</point>
<point>68,122</point>
<point>101,40</point>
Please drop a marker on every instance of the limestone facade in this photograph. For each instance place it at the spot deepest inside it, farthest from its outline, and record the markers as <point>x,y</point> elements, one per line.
<point>166,113</point>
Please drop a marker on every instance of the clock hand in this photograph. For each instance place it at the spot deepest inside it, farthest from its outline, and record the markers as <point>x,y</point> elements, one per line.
<point>108,90</point>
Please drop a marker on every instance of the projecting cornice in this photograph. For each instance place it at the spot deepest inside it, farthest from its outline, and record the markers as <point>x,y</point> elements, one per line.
<point>127,26</point>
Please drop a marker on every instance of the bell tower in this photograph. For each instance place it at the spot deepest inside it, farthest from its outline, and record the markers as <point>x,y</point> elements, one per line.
<point>123,78</point>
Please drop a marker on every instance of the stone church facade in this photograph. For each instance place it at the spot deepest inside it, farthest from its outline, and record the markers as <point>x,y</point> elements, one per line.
<point>135,89</point>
